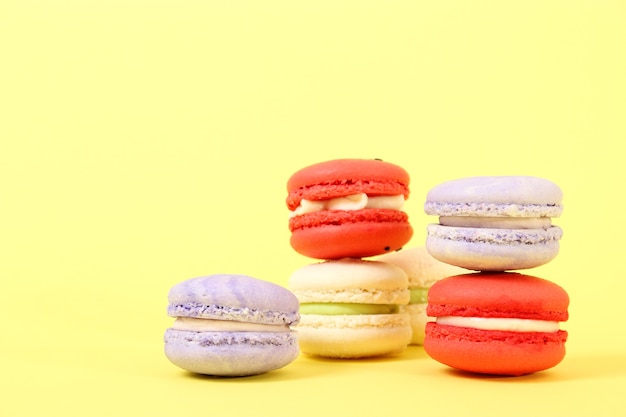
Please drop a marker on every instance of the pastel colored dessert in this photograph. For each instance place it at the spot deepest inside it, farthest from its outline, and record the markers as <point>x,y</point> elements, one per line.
<point>423,271</point>
<point>231,325</point>
<point>348,208</point>
<point>494,223</point>
<point>502,323</point>
<point>350,308</point>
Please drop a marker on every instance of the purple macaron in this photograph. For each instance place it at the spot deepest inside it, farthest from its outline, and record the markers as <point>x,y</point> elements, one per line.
<point>231,325</point>
<point>495,223</point>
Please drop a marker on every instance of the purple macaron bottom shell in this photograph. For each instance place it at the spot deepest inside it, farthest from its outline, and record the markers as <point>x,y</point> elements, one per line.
<point>230,354</point>
<point>493,249</point>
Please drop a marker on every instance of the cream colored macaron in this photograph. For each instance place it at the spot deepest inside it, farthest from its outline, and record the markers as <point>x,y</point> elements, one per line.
<point>350,308</point>
<point>422,270</point>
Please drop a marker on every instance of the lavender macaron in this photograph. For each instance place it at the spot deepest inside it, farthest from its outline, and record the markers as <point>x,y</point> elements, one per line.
<point>231,325</point>
<point>494,223</point>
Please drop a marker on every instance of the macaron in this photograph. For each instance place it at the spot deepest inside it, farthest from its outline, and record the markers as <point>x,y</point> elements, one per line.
<point>494,223</point>
<point>423,271</point>
<point>231,325</point>
<point>350,308</point>
<point>500,323</point>
<point>348,208</point>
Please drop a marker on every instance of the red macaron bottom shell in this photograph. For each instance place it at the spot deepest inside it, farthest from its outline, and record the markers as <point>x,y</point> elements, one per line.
<point>494,352</point>
<point>349,234</point>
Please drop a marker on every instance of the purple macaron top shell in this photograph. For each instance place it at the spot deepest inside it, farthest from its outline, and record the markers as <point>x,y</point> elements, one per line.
<point>502,196</point>
<point>234,297</point>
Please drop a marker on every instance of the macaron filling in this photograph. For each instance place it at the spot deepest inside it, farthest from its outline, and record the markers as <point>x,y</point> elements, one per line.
<point>500,323</point>
<point>337,309</point>
<point>209,325</point>
<point>497,222</point>
<point>419,295</point>
<point>350,203</point>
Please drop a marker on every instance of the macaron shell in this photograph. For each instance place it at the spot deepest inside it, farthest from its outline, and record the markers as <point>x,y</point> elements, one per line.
<point>230,354</point>
<point>493,249</point>
<point>494,352</point>
<point>519,190</point>
<point>354,336</point>
<point>350,281</point>
<point>341,177</point>
<point>505,294</point>
<point>356,234</point>
<point>233,297</point>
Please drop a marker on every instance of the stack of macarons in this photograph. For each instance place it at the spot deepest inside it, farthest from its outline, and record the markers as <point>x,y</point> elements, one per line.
<point>495,321</point>
<point>343,211</point>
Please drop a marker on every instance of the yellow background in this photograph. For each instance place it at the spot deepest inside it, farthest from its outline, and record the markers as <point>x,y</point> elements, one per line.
<point>146,142</point>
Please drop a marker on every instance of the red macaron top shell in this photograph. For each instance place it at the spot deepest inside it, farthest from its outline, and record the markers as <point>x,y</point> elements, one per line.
<point>504,294</point>
<point>342,177</point>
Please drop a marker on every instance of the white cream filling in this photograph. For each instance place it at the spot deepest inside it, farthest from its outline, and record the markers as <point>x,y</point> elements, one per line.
<point>350,202</point>
<point>208,325</point>
<point>497,222</point>
<point>504,324</point>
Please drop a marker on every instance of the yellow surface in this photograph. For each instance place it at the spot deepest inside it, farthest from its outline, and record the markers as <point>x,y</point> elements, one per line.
<point>146,142</point>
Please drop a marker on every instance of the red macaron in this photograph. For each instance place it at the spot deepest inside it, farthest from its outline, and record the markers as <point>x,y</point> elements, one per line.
<point>348,208</point>
<point>496,323</point>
